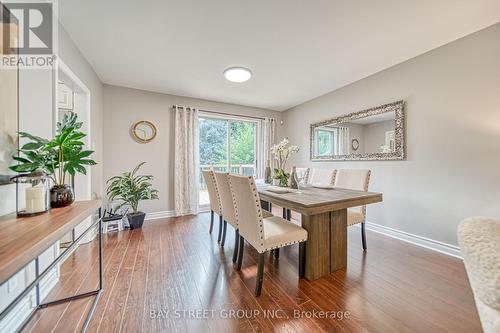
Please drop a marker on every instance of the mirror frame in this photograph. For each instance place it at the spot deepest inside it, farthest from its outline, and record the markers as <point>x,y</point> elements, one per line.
<point>399,133</point>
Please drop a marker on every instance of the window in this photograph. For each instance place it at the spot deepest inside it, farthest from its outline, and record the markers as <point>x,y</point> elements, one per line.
<point>227,144</point>
<point>325,143</point>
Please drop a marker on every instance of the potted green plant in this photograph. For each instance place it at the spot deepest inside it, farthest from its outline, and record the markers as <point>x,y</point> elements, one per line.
<point>129,189</point>
<point>62,155</point>
<point>282,152</point>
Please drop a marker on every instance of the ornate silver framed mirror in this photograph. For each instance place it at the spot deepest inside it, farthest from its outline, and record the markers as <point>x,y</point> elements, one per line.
<point>374,134</point>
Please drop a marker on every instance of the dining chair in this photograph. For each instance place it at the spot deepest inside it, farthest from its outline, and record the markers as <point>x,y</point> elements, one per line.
<point>264,234</point>
<point>215,201</point>
<point>228,213</point>
<point>322,176</point>
<point>355,180</point>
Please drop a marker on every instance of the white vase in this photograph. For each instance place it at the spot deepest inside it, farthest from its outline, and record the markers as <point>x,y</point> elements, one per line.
<point>276,182</point>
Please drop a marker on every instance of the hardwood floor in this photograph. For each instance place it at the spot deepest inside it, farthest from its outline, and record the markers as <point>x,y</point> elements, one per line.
<point>174,264</point>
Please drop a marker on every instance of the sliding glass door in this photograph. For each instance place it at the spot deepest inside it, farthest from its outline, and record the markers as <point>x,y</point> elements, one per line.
<point>227,144</point>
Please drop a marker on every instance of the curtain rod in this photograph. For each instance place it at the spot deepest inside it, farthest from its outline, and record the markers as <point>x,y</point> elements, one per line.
<point>222,113</point>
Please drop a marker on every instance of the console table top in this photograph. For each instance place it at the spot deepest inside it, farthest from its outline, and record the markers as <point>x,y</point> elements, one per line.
<point>24,239</point>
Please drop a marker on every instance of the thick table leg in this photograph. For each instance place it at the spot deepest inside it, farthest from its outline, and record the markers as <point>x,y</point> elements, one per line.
<point>317,252</point>
<point>338,240</point>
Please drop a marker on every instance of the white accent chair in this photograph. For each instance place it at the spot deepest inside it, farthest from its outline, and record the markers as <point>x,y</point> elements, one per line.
<point>355,180</point>
<point>215,201</point>
<point>479,238</point>
<point>264,234</point>
<point>322,176</point>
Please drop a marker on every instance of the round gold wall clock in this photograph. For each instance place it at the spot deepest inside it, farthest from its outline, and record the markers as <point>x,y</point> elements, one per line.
<point>143,131</point>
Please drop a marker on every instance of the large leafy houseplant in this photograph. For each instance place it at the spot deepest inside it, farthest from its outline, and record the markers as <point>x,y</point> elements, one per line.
<point>128,190</point>
<point>63,155</point>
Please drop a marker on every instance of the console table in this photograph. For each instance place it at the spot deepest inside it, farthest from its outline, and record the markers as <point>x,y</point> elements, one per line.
<point>23,240</point>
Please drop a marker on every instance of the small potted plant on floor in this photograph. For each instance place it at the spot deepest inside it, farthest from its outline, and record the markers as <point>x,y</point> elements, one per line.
<point>129,189</point>
<point>57,158</point>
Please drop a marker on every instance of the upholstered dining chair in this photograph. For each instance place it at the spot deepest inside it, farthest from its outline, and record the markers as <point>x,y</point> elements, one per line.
<point>228,213</point>
<point>355,180</point>
<point>215,201</point>
<point>322,176</point>
<point>264,234</point>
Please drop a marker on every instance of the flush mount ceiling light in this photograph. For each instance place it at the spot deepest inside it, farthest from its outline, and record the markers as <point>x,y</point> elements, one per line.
<point>237,74</point>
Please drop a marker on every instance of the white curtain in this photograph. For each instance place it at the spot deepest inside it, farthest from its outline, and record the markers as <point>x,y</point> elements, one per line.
<point>267,140</point>
<point>186,161</point>
<point>343,140</point>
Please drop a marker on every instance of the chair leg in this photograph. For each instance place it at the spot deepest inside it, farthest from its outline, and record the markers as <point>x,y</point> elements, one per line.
<point>240,252</point>
<point>363,235</point>
<point>260,275</point>
<point>284,213</point>
<point>276,253</point>
<point>288,214</point>
<point>302,259</point>
<point>223,234</point>
<point>220,230</point>
<point>236,244</point>
<point>211,221</point>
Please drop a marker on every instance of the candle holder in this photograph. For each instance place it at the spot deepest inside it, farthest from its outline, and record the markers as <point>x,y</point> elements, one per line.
<point>32,193</point>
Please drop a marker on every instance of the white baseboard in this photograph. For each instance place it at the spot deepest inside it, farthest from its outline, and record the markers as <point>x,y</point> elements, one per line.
<point>48,282</point>
<point>160,215</point>
<point>170,213</point>
<point>428,243</point>
<point>21,311</point>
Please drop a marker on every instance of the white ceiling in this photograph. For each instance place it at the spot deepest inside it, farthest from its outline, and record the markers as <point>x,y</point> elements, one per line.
<point>296,49</point>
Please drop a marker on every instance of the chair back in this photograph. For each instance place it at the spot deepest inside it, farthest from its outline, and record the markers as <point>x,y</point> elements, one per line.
<point>226,198</point>
<point>322,176</point>
<point>213,191</point>
<point>247,209</point>
<point>354,180</point>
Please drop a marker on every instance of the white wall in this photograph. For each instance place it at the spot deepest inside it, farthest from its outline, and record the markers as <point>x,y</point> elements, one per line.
<point>374,135</point>
<point>453,133</point>
<point>123,107</point>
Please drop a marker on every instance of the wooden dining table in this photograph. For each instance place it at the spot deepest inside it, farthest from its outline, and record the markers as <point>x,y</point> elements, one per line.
<point>324,216</point>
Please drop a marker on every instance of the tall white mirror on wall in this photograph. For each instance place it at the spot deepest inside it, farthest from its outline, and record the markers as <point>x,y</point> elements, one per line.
<point>374,134</point>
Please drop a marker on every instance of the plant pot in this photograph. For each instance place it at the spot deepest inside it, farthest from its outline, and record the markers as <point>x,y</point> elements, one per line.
<point>136,219</point>
<point>61,196</point>
<point>276,182</point>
